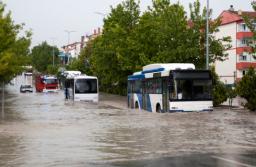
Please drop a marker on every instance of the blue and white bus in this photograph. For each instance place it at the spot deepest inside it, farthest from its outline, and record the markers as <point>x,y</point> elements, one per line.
<point>173,87</point>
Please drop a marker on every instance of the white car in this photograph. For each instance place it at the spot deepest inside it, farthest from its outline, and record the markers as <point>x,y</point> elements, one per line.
<point>26,88</point>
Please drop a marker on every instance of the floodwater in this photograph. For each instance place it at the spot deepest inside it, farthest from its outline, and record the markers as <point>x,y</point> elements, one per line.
<point>42,129</point>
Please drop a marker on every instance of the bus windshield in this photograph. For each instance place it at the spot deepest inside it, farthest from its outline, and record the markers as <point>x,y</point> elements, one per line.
<point>193,90</point>
<point>86,86</point>
<point>50,81</point>
<point>192,86</point>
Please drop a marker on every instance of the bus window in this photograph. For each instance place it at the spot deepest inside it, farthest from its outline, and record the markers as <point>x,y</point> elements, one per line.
<point>184,89</point>
<point>202,89</point>
<point>86,86</point>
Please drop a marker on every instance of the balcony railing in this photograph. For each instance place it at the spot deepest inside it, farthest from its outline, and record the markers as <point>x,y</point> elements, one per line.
<point>241,50</point>
<point>245,65</point>
<point>242,35</point>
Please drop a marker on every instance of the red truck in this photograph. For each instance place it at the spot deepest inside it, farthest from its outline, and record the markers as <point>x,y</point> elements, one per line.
<point>46,83</point>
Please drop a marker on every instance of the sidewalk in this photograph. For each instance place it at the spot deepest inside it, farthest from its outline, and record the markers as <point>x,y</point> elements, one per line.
<point>237,102</point>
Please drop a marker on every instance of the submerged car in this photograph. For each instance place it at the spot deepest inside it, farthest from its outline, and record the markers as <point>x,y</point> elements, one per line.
<point>26,88</point>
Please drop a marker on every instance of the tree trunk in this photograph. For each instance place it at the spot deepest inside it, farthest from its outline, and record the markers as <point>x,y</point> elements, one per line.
<point>3,99</point>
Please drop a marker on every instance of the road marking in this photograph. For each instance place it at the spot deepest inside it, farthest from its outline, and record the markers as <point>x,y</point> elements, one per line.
<point>232,161</point>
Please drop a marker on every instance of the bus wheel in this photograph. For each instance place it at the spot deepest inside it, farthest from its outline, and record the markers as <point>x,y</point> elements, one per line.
<point>158,108</point>
<point>136,105</point>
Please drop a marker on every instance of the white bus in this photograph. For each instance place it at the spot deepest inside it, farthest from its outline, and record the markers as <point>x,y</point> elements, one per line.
<point>173,87</point>
<point>27,82</point>
<point>80,87</point>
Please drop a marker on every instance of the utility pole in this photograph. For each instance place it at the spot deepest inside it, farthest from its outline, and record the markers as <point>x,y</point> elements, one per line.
<point>53,38</point>
<point>68,31</point>
<point>207,36</point>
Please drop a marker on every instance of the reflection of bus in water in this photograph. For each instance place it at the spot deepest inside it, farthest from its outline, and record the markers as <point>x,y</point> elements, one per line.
<point>80,87</point>
<point>46,83</point>
<point>170,88</point>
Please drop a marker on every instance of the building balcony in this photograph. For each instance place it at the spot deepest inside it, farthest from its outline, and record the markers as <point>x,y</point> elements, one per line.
<point>245,65</point>
<point>240,50</point>
<point>241,35</point>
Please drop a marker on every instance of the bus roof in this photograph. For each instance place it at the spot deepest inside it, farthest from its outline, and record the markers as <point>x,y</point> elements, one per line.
<point>167,67</point>
<point>28,73</point>
<point>49,77</point>
<point>85,77</point>
<point>71,74</point>
<point>163,68</point>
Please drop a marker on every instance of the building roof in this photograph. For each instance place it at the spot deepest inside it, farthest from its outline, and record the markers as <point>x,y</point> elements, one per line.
<point>228,16</point>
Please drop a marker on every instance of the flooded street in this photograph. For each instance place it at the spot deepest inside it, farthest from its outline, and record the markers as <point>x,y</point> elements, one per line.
<point>42,129</point>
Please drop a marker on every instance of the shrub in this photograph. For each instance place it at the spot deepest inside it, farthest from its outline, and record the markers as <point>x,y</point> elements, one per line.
<point>219,91</point>
<point>246,88</point>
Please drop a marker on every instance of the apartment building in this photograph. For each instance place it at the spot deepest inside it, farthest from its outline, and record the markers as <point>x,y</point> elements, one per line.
<point>239,56</point>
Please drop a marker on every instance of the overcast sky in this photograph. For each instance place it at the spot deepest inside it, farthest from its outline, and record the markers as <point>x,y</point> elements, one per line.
<point>49,19</point>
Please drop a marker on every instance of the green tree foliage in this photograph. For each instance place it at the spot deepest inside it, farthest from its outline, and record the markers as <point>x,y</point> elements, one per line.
<point>246,88</point>
<point>14,49</point>
<point>250,22</point>
<point>198,36</point>
<point>113,58</point>
<point>220,93</point>
<point>160,35</point>
<point>42,57</point>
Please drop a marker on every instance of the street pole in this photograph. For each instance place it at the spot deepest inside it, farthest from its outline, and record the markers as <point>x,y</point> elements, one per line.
<point>3,99</point>
<point>68,31</point>
<point>53,38</point>
<point>207,36</point>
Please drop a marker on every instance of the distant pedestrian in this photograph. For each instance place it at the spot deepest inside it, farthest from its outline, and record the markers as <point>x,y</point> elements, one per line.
<point>231,94</point>
<point>66,93</point>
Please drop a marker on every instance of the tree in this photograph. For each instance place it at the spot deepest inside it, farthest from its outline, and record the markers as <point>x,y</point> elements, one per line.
<point>14,49</point>
<point>160,35</point>
<point>219,90</point>
<point>42,57</point>
<point>113,59</point>
<point>246,88</point>
<point>250,22</point>
<point>217,47</point>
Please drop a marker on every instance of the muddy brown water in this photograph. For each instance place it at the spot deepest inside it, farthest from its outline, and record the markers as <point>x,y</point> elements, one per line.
<point>42,129</point>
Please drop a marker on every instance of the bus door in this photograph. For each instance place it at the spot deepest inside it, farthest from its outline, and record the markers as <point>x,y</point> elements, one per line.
<point>144,97</point>
<point>165,93</point>
<point>131,94</point>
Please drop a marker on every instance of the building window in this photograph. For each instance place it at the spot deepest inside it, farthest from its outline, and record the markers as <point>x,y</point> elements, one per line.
<point>244,72</point>
<point>244,41</point>
<point>242,57</point>
<point>244,27</point>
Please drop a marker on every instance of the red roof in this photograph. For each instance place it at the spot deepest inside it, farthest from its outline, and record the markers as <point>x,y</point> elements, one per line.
<point>234,16</point>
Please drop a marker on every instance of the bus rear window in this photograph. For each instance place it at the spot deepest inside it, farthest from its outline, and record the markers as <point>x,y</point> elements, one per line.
<point>86,86</point>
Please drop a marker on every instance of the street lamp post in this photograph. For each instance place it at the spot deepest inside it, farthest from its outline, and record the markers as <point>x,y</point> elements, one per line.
<point>53,38</point>
<point>100,13</point>
<point>207,36</point>
<point>68,31</point>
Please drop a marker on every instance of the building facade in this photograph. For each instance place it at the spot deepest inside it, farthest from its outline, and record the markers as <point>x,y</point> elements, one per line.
<point>239,56</point>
